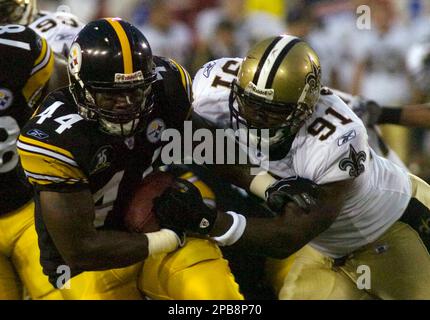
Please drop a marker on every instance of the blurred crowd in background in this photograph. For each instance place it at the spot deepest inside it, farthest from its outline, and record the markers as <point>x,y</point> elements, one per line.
<point>372,62</point>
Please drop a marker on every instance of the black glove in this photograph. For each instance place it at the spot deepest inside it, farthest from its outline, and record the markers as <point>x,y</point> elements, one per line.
<point>302,192</point>
<point>367,110</point>
<point>181,209</point>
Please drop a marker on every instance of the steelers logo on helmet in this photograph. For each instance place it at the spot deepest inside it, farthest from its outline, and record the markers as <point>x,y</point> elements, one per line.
<point>6,98</point>
<point>154,130</point>
<point>75,58</point>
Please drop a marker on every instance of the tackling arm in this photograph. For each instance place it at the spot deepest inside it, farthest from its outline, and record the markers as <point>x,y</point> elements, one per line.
<point>277,237</point>
<point>409,116</point>
<point>286,233</point>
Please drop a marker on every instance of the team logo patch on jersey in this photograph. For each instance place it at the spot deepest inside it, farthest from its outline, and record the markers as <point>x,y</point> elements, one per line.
<point>154,130</point>
<point>208,69</point>
<point>102,159</point>
<point>38,134</point>
<point>353,162</point>
<point>75,58</point>
<point>346,137</point>
<point>6,98</point>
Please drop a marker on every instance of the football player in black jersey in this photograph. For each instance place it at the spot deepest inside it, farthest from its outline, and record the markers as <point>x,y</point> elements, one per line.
<point>58,28</point>
<point>85,150</point>
<point>27,65</point>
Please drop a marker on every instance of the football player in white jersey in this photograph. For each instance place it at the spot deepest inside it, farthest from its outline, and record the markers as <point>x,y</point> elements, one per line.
<point>58,28</point>
<point>372,114</point>
<point>341,197</point>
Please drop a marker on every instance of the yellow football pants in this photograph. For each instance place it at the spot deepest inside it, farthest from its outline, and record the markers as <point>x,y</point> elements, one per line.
<point>19,258</point>
<point>195,272</point>
<point>114,284</point>
<point>398,266</point>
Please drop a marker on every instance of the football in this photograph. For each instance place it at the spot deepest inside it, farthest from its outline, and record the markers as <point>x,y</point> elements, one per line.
<point>139,215</point>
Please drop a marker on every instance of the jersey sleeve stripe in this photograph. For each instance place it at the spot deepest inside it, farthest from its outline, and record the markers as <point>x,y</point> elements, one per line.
<point>37,81</point>
<point>189,86</point>
<point>47,54</point>
<point>186,79</point>
<point>37,166</point>
<point>46,182</point>
<point>42,52</point>
<point>36,150</point>
<point>48,179</point>
<point>25,140</point>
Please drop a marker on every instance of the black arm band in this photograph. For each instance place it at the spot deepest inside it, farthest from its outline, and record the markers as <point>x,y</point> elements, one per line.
<point>390,115</point>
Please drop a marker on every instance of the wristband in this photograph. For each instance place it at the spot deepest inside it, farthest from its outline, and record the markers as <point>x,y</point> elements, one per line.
<point>163,241</point>
<point>390,115</point>
<point>260,183</point>
<point>234,233</point>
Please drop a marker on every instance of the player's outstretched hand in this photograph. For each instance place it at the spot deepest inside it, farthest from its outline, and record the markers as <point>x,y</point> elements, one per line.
<point>303,192</point>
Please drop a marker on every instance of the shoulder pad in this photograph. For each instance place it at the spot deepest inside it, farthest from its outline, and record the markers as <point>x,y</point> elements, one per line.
<point>19,43</point>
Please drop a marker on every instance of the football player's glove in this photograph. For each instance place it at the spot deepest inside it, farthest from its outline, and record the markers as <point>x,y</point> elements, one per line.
<point>368,110</point>
<point>302,192</point>
<point>181,208</point>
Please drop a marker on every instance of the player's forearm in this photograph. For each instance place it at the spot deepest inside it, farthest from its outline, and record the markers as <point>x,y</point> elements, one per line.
<point>416,116</point>
<point>276,237</point>
<point>107,250</point>
<point>409,116</point>
<point>280,237</point>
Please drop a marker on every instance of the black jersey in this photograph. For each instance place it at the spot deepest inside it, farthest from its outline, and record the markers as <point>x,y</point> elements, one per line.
<point>26,63</point>
<point>60,151</point>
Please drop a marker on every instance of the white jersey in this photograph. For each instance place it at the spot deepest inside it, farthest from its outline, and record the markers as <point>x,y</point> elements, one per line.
<point>331,146</point>
<point>376,141</point>
<point>58,28</point>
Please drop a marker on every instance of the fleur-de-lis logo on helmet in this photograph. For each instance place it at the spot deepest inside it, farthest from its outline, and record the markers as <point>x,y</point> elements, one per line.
<point>313,78</point>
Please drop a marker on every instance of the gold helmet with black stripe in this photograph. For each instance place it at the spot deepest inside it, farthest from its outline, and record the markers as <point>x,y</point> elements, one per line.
<point>111,72</point>
<point>277,87</point>
<point>17,11</point>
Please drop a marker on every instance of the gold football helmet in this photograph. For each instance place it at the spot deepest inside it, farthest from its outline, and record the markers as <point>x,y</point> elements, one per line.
<point>17,11</point>
<point>277,87</point>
